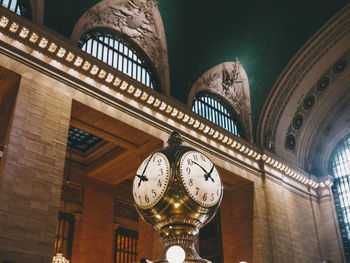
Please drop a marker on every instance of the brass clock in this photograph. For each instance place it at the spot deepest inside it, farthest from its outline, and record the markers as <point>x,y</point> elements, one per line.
<point>177,190</point>
<point>151,180</point>
<point>200,178</point>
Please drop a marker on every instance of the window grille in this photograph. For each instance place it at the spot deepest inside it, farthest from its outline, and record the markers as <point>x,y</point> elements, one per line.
<point>118,53</point>
<point>12,5</point>
<point>214,111</point>
<point>20,7</point>
<point>210,241</point>
<point>66,220</point>
<point>125,245</point>
<point>340,168</point>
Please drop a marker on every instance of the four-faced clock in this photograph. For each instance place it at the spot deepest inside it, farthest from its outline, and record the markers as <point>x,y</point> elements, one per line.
<point>151,180</point>
<point>200,178</point>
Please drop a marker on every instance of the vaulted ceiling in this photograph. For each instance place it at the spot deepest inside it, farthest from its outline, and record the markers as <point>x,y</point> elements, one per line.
<point>201,34</point>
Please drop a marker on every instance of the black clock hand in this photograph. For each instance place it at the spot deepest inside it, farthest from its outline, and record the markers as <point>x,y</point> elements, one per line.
<point>142,176</point>
<point>205,171</point>
<point>209,174</point>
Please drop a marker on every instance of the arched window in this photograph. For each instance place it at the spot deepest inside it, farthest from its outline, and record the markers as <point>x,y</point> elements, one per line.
<point>20,7</point>
<point>210,108</point>
<point>340,169</point>
<point>119,53</point>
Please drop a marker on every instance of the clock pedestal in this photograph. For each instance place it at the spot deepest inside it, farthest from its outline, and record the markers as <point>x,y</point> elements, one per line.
<point>184,236</point>
<point>178,190</point>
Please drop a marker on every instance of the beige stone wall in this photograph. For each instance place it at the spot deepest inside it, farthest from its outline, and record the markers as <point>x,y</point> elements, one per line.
<point>284,227</point>
<point>32,174</point>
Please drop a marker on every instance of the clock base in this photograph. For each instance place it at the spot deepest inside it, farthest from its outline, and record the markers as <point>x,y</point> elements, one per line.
<point>186,237</point>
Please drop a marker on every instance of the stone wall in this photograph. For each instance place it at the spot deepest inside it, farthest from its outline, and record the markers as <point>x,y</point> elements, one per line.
<point>32,173</point>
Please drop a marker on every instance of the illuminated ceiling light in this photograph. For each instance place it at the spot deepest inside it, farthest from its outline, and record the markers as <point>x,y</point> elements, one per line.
<point>124,85</point>
<point>43,42</point>
<point>144,96</point>
<point>116,82</point>
<point>70,57</point>
<point>196,124</point>
<point>158,216</point>
<point>206,130</point>
<point>24,32</point>
<point>138,93</point>
<point>59,258</point>
<point>150,100</point>
<point>156,103</point>
<point>14,26</point>
<point>102,74</point>
<point>191,121</point>
<point>174,112</point>
<point>94,69</point>
<point>186,118</point>
<point>216,134</point>
<point>61,52</point>
<point>86,65</point>
<point>4,21</point>
<point>168,109</point>
<point>109,78</point>
<point>201,126</point>
<point>180,115</point>
<point>175,254</point>
<point>33,37</point>
<point>163,106</point>
<point>131,89</point>
<point>221,137</point>
<point>52,47</point>
<point>176,205</point>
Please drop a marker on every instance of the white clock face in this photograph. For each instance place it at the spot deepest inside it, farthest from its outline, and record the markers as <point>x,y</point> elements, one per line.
<point>151,180</point>
<point>200,178</point>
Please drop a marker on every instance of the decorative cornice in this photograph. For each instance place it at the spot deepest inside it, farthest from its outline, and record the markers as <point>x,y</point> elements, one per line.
<point>302,63</point>
<point>37,44</point>
<point>304,109</point>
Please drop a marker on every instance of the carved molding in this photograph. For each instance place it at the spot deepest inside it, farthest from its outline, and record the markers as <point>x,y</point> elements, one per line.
<point>228,80</point>
<point>302,63</point>
<point>311,98</point>
<point>139,20</point>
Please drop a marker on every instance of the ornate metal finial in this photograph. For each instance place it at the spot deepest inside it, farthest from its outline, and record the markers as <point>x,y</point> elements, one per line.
<point>175,139</point>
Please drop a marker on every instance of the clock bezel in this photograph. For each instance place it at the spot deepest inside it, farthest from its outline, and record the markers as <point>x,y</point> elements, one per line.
<point>184,185</point>
<point>164,189</point>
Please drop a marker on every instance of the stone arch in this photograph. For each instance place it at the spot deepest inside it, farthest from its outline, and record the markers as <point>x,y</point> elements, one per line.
<point>229,81</point>
<point>139,20</point>
<point>307,110</point>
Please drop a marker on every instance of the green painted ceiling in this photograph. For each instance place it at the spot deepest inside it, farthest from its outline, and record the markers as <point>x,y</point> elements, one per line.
<point>201,34</point>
